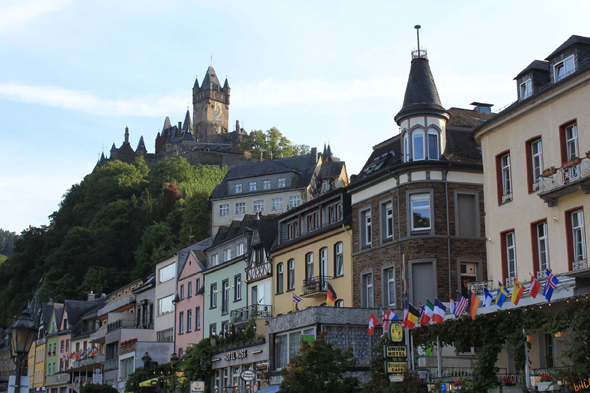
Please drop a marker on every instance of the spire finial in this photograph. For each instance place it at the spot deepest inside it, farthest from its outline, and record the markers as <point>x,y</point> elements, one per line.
<point>417,27</point>
<point>418,53</point>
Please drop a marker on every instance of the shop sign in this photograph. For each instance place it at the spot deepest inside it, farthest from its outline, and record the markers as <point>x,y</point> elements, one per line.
<point>395,332</point>
<point>236,355</point>
<point>395,367</point>
<point>247,375</point>
<point>395,351</point>
<point>197,387</point>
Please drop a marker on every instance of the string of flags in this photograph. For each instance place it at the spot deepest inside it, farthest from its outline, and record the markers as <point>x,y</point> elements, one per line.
<point>470,304</point>
<point>81,354</point>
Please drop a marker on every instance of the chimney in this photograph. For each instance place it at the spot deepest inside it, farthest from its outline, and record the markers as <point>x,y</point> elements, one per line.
<point>481,107</point>
<point>91,296</point>
<point>314,154</point>
<point>237,125</point>
<point>180,125</point>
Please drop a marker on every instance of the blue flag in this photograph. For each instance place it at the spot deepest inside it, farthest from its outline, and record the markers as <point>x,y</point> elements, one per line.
<point>550,284</point>
<point>487,300</point>
<point>501,295</point>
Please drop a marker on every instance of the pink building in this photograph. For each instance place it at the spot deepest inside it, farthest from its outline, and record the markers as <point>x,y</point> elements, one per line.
<point>64,341</point>
<point>189,302</point>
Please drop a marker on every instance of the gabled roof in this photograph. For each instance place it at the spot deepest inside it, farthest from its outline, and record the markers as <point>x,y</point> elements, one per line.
<point>421,93</point>
<point>238,228</point>
<point>184,253</point>
<point>574,39</point>
<point>267,232</point>
<point>535,65</point>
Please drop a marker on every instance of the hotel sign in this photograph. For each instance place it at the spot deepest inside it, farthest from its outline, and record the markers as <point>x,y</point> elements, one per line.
<point>236,355</point>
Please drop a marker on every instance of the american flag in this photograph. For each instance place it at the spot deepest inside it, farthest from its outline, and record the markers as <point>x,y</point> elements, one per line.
<point>461,305</point>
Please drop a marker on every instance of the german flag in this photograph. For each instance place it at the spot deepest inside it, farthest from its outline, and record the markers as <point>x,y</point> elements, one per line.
<point>413,316</point>
<point>331,295</point>
<point>473,304</point>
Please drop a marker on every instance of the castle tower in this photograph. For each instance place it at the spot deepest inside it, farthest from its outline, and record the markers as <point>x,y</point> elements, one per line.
<point>210,108</point>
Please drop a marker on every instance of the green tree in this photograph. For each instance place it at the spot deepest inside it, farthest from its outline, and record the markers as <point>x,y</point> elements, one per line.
<point>320,367</point>
<point>156,242</point>
<point>3,258</point>
<point>7,240</point>
<point>95,388</point>
<point>195,223</point>
<point>171,170</point>
<point>271,144</point>
<point>196,363</point>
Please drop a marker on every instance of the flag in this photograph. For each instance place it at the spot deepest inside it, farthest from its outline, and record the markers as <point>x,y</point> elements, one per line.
<point>550,285</point>
<point>296,298</point>
<point>501,295</point>
<point>487,301</point>
<point>413,315</point>
<point>425,315</point>
<point>473,304</point>
<point>421,312</point>
<point>439,311</point>
<point>534,287</point>
<point>429,310</point>
<point>451,304</point>
<point>517,292</point>
<point>373,321</point>
<point>387,316</point>
<point>331,295</point>
<point>461,305</point>
<point>405,320</point>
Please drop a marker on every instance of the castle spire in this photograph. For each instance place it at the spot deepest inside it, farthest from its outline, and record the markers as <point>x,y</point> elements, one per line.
<point>126,134</point>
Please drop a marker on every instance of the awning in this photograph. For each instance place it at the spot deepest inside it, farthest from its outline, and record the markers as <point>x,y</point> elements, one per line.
<point>270,389</point>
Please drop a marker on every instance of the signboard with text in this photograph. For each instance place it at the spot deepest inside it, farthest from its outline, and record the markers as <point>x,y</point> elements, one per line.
<point>395,351</point>
<point>395,367</point>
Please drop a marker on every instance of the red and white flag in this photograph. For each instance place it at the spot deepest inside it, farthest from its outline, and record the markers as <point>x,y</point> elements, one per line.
<point>534,287</point>
<point>373,321</point>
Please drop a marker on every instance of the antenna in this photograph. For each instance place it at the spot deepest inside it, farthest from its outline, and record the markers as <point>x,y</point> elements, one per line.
<point>417,27</point>
<point>418,53</point>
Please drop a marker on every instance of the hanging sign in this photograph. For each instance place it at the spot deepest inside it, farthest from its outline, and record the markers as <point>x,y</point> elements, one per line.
<point>395,332</point>
<point>395,351</point>
<point>395,367</point>
<point>247,375</point>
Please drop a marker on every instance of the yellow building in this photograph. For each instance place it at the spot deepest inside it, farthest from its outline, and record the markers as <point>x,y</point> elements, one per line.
<point>313,250</point>
<point>537,180</point>
<point>31,362</point>
<point>39,369</point>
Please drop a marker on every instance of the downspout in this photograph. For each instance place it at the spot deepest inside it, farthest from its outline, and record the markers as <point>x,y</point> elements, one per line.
<point>448,226</point>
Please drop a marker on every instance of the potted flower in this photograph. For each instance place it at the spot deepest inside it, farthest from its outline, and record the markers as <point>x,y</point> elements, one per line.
<point>510,385</point>
<point>573,161</point>
<point>549,171</point>
<point>546,383</point>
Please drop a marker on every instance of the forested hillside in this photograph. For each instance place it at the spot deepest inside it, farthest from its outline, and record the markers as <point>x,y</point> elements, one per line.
<point>7,240</point>
<point>108,230</point>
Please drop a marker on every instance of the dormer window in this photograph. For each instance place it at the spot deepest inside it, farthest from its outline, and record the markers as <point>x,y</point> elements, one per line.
<point>526,89</point>
<point>418,145</point>
<point>238,188</point>
<point>564,68</point>
<point>424,146</point>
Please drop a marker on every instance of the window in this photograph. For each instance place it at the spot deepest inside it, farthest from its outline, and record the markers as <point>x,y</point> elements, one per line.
<point>324,266</point>
<point>214,260</point>
<point>165,305</point>
<point>197,285</point>
<point>334,213</point>
<point>266,184</point>
<point>563,68</point>
<point>325,185</point>
<point>168,272</point>
<point>288,344</point>
<point>387,220</point>
<point>225,297</point>
<point>189,289</point>
<point>389,286</point>
<point>127,367</point>
<point>467,214</point>
<point>277,204</point>
<point>258,206</point>
<point>366,228</point>
<point>313,222</point>
<point>420,212</point>
<point>578,236</point>
<point>543,246</point>
<point>422,281</point>
<point>240,208</point>
<point>468,274</point>
<point>180,353</point>
<point>198,318</point>
<point>292,230</point>
<point>526,89</point>
<point>571,141</point>
<point>181,323</point>
<point>227,254</point>
<point>224,209</point>
<point>213,294</point>
<point>338,259</point>
<point>281,183</point>
<point>509,255</point>
<point>367,297</point>
<point>291,275</point>
<point>252,186</point>
<point>406,148</point>
<point>339,303</point>
<point>417,145</point>
<point>213,329</point>
<point>165,336</point>
<point>294,201</point>
<point>237,288</point>
<point>280,278</point>
<point>433,145</point>
<point>181,296</point>
<point>548,337</point>
<point>189,320</point>
<point>534,154</point>
<point>309,266</point>
<point>506,181</point>
<point>240,249</point>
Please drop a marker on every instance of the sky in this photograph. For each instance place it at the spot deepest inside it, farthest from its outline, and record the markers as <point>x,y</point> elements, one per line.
<point>74,74</point>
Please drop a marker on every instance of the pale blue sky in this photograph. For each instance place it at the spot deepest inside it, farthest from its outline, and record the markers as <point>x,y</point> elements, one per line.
<point>75,73</point>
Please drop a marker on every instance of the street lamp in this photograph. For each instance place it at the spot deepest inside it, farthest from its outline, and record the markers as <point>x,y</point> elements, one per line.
<point>23,333</point>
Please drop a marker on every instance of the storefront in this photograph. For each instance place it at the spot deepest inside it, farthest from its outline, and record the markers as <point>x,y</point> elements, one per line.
<point>243,367</point>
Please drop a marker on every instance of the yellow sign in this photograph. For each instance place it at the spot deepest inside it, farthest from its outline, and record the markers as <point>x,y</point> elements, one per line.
<point>396,367</point>
<point>395,351</point>
<point>396,332</point>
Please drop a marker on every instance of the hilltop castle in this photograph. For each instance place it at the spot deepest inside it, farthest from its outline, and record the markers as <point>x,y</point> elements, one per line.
<point>204,140</point>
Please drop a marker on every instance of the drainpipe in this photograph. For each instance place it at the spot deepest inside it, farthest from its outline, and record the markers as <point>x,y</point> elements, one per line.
<point>448,226</point>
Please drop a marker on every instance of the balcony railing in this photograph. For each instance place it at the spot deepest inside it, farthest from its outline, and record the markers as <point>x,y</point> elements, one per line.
<point>565,181</point>
<point>111,364</point>
<point>120,324</point>
<point>506,198</point>
<point>315,286</point>
<point>478,287</point>
<point>509,282</point>
<point>62,377</point>
<point>115,304</point>
<point>254,311</point>
<point>258,272</point>
<point>580,264</point>
<point>88,362</point>
<point>542,274</point>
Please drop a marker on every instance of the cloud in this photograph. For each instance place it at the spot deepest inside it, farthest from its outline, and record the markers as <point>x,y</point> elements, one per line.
<point>15,13</point>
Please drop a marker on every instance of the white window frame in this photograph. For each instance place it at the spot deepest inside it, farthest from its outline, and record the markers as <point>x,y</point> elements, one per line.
<point>281,183</point>
<point>294,201</point>
<point>258,206</point>
<point>339,259</point>
<point>277,204</point>
<point>571,143</point>
<point>578,235</point>
<point>565,64</point>
<point>415,135</point>
<point>238,288</point>
<point>240,249</point>
<point>290,274</point>
<point>526,88</point>
<point>167,273</point>
<point>280,278</point>
<point>538,158</point>
<point>238,188</point>
<point>543,240</point>
<point>367,228</point>
<point>368,289</point>
<point>389,286</point>
<point>224,209</point>
<point>506,178</point>
<point>251,186</point>
<point>181,322</point>
<point>325,185</point>
<point>309,266</point>
<point>510,254</point>
<point>388,222</point>
<point>406,147</point>
<point>240,208</point>
<point>415,198</point>
<point>437,144</point>
<point>161,303</point>
<point>226,254</point>
<point>214,260</point>
<point>266,184</point>
<point>213,296</point>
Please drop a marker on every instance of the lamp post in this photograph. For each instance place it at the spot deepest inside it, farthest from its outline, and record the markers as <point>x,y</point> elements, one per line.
<point>22,335</point>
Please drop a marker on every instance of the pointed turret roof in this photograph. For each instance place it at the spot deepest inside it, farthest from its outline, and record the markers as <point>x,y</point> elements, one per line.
<point>196,85</point>
<point>141,144</point>
<point>113,147</point>
<point>329,150</point>
<point>167,123</point>
<point>210,76</point>
<point>188,125</point>
<point>421,93</point>
<point>226,83</point>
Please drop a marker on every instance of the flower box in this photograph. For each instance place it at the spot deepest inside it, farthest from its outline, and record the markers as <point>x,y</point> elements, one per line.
<point>549,172</point>
<point>547,386</point>
<point>511,389</point>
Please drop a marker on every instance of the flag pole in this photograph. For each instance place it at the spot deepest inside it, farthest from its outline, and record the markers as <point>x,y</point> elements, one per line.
<point>438,357</point>
<point>407,335</point>
<point>527,369</point>
<point>412,349</point>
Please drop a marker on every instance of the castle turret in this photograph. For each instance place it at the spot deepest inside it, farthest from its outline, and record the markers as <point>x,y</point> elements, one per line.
<point>141,149</point>
<point>210,108</point>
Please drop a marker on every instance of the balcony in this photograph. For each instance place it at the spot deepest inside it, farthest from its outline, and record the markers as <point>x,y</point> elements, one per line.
<point>315,286</point>
<point>478,287</point>
<point>111,364</point>
<point>580,264</point>
<point>542,274</point>
<point>565,181</point>
<point>56,379</point>
<point>254,311</point>
<point>116,304</point>
<point>258,272</point>
<point>98,359</point>
<point>509,282</point>
<point>120,324</point>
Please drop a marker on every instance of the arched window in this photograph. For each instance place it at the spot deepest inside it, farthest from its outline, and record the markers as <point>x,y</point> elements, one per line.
<point>280,278</point>
<point>339,303</point>
<point>309,266</point>
<point>406,147</point>
<point>291,275</point>
<point>418,151</point>
<point>433,144</point>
